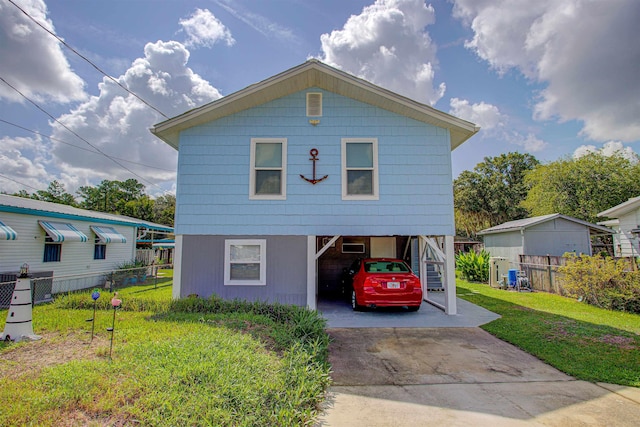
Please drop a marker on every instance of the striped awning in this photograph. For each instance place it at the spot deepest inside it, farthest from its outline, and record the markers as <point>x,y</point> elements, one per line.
<point>62,232</point>
<point>108,234</point>
<point>7,233</point>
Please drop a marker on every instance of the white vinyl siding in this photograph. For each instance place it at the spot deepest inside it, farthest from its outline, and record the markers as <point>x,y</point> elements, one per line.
<point>360,169</point>
<point>268,176</point>
<point>245,262</point>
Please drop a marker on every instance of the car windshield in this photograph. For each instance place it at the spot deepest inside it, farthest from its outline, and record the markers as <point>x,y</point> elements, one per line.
<point>385,267</point>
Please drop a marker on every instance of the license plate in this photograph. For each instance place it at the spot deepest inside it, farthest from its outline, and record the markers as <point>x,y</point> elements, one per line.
<point>393,285</point>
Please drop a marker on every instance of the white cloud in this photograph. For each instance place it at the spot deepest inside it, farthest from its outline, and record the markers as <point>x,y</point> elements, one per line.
<point>204,29</point>
<point>22,164</point>
<point>387,44</point>
<point>485,115</point>
<point>494,124</point>
<point>608,149</point>
<point>32,60</point>
<point>118,124</point>
<point>586,52</point>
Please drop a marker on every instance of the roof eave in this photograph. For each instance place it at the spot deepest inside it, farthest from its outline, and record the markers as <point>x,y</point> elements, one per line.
<point>313,74</point>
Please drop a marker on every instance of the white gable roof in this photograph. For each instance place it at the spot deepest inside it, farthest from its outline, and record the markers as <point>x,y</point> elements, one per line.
<point>314,73</point>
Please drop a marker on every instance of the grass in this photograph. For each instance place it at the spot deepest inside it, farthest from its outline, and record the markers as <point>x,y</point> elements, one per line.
<point>586,342</point>
<point>192,362</point>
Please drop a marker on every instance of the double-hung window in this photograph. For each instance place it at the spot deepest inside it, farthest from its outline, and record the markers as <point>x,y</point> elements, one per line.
<point>360,169</point>
<point>268,178</point>
<point>245,262</point>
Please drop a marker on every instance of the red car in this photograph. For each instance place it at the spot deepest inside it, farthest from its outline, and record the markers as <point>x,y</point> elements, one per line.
<point>383,282</point>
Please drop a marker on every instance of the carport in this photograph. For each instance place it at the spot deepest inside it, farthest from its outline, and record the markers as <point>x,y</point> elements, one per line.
<point>422,250</point>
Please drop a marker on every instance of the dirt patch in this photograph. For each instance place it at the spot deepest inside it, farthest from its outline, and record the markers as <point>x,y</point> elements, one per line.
<point>625,343</point>
<point>53,349</point>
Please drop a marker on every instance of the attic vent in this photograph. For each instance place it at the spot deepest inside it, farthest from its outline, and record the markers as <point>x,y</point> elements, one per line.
<point>314,104</point>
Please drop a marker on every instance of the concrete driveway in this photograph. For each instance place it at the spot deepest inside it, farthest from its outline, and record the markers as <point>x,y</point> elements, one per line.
<point>459,377</point>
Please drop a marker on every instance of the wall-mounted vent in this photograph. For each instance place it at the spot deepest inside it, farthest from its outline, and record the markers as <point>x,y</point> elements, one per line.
<point>314,104</point>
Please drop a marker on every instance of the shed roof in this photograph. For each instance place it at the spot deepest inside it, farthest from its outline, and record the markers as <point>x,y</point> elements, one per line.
<point>521,224</point>
<point>313,73</point>
<point>26,206</point>
<point>621,209</point>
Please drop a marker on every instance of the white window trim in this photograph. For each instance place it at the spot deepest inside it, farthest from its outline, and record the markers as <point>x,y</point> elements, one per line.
<point>263,262</point>
<point>375,195</point>
<point>252,168</point>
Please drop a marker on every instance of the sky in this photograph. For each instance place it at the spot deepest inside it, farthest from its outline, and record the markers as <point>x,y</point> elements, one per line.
<point>552,78</point>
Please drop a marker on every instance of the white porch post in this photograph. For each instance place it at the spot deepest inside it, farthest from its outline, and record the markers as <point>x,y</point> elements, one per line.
<point>423,266</point>
<point>311,272</point>
<point>177,267</point>
<point>449,277</point>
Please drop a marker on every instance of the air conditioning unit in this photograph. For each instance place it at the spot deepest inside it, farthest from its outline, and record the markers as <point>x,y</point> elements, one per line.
<point>498,268</point>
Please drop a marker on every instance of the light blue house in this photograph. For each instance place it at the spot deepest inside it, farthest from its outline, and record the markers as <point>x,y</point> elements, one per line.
<point>282,184</point>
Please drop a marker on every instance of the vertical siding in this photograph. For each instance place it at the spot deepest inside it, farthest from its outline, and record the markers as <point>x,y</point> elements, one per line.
<point>416,195</point>
<point>202,269</point>
<point>557,237</point>
<point>76,258</point>
<point>506,245</point>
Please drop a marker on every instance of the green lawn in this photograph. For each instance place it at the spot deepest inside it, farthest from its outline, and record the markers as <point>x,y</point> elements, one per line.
<point>191,362</point>
<point>586,342</point>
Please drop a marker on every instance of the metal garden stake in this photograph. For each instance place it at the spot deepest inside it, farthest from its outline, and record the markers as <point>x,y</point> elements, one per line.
<point>94,296</point>
<point>115,303</point>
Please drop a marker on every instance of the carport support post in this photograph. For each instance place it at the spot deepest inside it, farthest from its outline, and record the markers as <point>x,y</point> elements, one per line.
<point>311,272</point>
<point>449,277</point>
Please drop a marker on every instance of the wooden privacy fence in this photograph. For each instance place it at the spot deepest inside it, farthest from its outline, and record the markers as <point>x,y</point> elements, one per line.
<point>542,271</point>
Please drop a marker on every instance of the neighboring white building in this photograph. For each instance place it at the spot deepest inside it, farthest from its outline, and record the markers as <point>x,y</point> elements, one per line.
<point>625,220</point>
<point>62,240</point>
<point>552,234</point>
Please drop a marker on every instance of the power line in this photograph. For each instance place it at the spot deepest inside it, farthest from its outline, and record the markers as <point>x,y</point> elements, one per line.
<point>18,182</point>
<point>91,63</point>
<point>78,136</point>
<point>81,148</point>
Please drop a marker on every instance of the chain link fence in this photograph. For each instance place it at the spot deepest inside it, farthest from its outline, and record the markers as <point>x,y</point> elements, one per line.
<point>44,285</point>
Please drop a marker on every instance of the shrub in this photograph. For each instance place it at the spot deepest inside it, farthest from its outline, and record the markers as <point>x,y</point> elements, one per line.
<point>474,266</point>
<point>602,281</point>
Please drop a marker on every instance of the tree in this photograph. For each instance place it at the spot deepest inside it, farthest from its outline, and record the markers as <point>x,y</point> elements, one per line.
<point>164,209</point>
<point>111,196</point>
<point>491,193</point>
<point>55,193</point>
<point>582,187</point>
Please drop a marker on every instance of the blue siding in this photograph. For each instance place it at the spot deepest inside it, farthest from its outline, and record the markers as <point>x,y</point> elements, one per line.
<point>414,172</point>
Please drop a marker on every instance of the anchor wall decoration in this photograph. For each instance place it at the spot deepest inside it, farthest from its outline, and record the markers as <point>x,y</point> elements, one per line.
<point>314,158</point>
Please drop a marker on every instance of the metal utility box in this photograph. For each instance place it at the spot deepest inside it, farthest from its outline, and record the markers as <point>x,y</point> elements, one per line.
<point>498,267</point>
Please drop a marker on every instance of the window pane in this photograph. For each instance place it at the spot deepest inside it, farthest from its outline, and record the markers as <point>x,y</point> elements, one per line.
<point>359,155</point>
<point>100,252</point>
<point>246,253</point>
<point>359,182</point>
<point>52,252</point>
<point>268,155</point>
<point>245,272</point>
<point>268,182</point>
